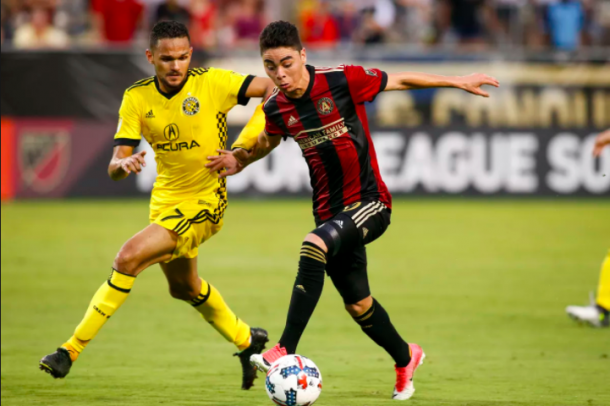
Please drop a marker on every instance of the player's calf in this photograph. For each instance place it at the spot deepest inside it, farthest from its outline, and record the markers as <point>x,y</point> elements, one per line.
<point>305,295</point>
<point>184,292</point>
<point>376,324</point>
<point>360,308</point>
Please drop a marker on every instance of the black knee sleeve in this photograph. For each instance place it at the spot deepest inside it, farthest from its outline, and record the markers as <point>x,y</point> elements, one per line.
<point>338,233</point>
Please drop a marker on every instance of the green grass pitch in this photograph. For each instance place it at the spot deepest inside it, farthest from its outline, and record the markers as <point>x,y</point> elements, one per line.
<point>482,286</point>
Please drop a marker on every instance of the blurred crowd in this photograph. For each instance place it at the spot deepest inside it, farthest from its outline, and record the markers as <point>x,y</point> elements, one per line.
<point>230,24</point>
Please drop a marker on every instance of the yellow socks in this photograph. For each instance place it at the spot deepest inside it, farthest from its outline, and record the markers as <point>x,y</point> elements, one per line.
<point>113,293</point>
<point>603,294</point>
<point>109,297</point>
<point>216,312</point>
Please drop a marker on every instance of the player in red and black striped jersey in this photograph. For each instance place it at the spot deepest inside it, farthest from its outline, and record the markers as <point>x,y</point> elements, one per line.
<point>323,110</point>
<point>330,125</point>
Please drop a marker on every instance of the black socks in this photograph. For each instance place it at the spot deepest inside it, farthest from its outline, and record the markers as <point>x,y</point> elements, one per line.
<point>305,296</point>
<point>377,325</point>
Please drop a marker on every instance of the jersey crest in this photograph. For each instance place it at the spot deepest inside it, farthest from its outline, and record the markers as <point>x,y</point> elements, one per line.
<point>191,106</point>
<point>325,106</point>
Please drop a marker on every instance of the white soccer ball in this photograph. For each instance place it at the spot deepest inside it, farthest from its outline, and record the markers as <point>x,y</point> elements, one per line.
<point>294,381</point>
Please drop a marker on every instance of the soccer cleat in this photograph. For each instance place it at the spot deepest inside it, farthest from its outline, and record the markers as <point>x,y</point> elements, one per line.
<point>57,364</point>
<point>593,314</point>
<point>405,389</point>
<point>264,361</point>
<point>257,345</point>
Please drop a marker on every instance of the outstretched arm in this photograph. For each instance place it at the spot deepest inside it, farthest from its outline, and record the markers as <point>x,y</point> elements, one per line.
<point>233,162</point>
<point>601,141</point>
<point>415,80</point>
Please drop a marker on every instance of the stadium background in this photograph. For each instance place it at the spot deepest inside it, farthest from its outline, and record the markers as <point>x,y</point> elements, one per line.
<point>482,282</point>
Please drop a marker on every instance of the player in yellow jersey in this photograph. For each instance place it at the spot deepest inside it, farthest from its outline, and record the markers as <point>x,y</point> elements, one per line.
<point>597,313</point>
<point>181,113</point>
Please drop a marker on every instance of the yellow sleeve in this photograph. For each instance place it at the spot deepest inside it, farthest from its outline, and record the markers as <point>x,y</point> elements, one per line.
<point>249,135</point>
<point>129,131</point>
<point>228,88</point>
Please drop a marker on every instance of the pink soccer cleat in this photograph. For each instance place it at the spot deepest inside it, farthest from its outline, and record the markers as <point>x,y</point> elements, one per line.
<point>265,360</point>
<point>404,389</point>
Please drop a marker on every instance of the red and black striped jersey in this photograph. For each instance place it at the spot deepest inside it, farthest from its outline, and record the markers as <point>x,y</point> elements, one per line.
<point>330,124</point>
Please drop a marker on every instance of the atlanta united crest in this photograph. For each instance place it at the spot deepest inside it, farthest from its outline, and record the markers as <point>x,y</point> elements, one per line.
<point>190,107</point>
<point>325,106</point>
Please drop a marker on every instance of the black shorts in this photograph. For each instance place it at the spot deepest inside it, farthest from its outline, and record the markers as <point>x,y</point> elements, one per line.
<point>358,225</point>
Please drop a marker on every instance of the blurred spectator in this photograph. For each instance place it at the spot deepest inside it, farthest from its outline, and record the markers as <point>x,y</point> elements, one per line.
<point>320,28</point>
<point>415,20</point>
<point>248,20</point>
<point>538,29</point>
<point>560,24</point>
<point>566,21</point>
<point>378,17</point>
<point>468,20</point>
<point>39,32</point>
<point>203,23</point>
<point>509,17</point>
<point>603,16</point>
<point>7,32</point>
<point>170,10</point>
<point>348,20</point>
<point>116,20</point>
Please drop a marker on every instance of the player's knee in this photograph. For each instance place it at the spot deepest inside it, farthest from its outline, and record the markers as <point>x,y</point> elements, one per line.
<point>126,262</point>
<point>360,308</point>
<point>316,240</point>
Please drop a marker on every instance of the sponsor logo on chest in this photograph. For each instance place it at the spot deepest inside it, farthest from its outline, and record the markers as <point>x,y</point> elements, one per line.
<point>172,134</point>
<point>312,138</point>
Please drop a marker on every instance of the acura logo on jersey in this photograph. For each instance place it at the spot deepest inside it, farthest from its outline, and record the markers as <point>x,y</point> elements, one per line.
<point>171,132</point>
<point>325,106</point>
<point>190,107</point>
<point>177,146</point>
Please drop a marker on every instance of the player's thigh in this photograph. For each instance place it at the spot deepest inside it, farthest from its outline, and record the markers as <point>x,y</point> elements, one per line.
<point>371,220</point>
<point>152,245</point>
<point>358,225</point>
<point>348,272</point>
<point>192,223</point>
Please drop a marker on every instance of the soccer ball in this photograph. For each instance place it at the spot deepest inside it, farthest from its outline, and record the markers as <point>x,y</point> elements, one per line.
<point>294,381</point>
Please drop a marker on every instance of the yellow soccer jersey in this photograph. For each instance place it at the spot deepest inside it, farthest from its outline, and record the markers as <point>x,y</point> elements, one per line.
<point>183,128</point>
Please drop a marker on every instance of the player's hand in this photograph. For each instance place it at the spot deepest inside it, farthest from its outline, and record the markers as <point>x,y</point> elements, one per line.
<point>473,83</point>
<point>134,163</point>
<point>601,141</point>
<point>225,163</point>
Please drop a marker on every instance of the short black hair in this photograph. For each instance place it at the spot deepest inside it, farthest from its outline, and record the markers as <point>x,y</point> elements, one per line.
<point>168,29</point>
<point>280,34</point>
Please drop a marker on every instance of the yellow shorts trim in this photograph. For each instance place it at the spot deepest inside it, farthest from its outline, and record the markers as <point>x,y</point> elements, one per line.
<point>194,221</point>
